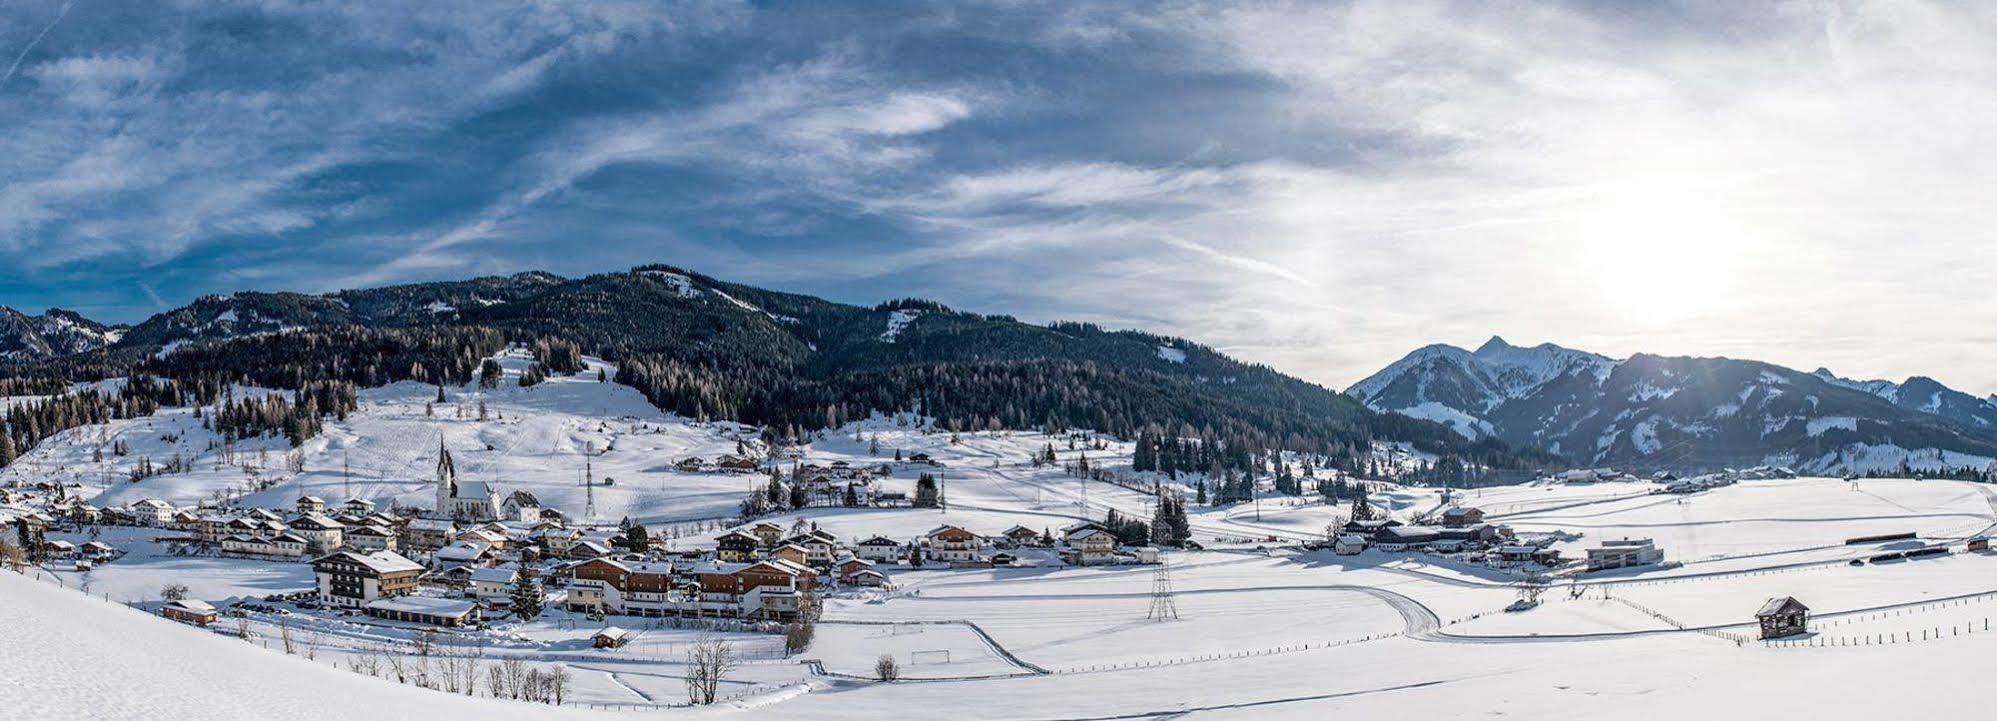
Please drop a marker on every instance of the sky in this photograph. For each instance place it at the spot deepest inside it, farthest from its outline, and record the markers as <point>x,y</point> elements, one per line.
<point>1320,186</point>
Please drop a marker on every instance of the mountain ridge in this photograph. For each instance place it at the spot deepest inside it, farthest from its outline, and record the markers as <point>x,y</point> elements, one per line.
<point>1654,410</point>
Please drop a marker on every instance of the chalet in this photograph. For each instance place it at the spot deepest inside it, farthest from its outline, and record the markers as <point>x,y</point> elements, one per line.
<point>351,579</point>
<point>792,552</point>
<point>371,538</point>
<point>59,549</point>
<point>492,586</point>
<point>1783,616</point>
<point>610,637</point>
<point>736,464</point>
<point>212,527</point>
<point>735,547</point>
<point>476,554</point>
<point>359,507</point>
<point>590,549</point>
<point>1022,536</point>
<point>818,546</point>
<point>1461,516</point>
<point>85,513</point>
<point>879,549</point>
<point>765,590</point>
<point>283,545</point>
<point>689,464</point>
<point>520,506</point>
<point>1348,544</point>
<point>188,610</point>
<point>1002,559</point>
<point>96,549</point>
<point>921,458</point>
<point>264,514</point>
<point>185,520</point>
<point>850,566</point>
<point>495,537</point>
<point>425,534</point>
<point>555,541</point>
<point>323,532</point>
<point>1089,546</point>
<point>622,587</point>
<point>1515,553</point>
<point>447,612</point>
<point>767,533</point>
<point>308,505</point>
<point>952,544</point>
<point>151,512</point>
<point>1623,553</point>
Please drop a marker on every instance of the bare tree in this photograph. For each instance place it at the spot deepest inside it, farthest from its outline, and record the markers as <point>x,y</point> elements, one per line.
<point>558,683</point>
<point>284,636</point>
<point>174,592</point>
<point>709,660</point>
<point>516,677</point>
<point>886,669</point>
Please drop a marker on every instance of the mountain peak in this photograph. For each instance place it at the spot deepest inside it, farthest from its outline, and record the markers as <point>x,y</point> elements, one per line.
<point>1495,344</point>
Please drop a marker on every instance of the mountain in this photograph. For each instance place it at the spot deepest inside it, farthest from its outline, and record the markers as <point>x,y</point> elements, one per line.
<point>1926,395</point>
<point>704,347</point>
<point>54,333</point>
<point>1651,411</point>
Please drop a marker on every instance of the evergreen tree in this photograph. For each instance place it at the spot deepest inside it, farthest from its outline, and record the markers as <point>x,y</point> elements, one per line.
<point>526,596</point>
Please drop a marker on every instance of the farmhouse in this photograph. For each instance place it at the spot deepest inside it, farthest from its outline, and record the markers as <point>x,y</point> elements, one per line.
<point>371,538</point>
<point>1461,516</point>
<point>735,547</point>
<point>1089,546</point>
<point>492,586</point>
<point>879,549</point>
<point>1022,536</point>
<point>954,545</point>
<point>311,504</point>
<point>321,531</point>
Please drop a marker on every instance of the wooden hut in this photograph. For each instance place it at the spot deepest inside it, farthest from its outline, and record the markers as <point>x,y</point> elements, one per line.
<point>1783,616</point>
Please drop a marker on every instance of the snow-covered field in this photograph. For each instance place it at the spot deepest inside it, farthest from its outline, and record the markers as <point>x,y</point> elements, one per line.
<point>1263,629</point>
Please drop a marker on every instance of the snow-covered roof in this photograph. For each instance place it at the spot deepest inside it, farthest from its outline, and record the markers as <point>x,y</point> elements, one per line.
<point>191,604</point>
<point>425,605</point>
<point>1775,605</point>
<point>379,561</point>
<point>495,575</point>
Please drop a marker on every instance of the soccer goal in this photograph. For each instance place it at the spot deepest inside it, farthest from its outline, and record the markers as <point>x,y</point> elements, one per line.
<point>903,628</point>
<point>929,658</point>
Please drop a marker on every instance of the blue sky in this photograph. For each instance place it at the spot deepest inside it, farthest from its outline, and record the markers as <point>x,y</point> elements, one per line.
<point>1318,186</point>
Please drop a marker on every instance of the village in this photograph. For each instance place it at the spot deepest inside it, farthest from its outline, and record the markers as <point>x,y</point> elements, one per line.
<point>892,550</point>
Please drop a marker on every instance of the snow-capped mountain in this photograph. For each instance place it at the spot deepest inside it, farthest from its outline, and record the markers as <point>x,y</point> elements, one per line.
<point>1926,395</point>
<point>1656,411</point>
<point>56,332</point>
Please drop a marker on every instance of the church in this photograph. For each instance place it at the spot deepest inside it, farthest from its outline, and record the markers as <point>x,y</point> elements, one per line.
<point>462,501</point>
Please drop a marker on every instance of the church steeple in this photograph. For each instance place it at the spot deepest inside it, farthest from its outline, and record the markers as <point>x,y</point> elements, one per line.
<point>447,479</point>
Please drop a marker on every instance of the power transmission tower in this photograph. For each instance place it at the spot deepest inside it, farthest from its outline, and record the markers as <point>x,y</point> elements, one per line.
<point>346,475</point>
<point>1163,608</point>
<point>588,490</point>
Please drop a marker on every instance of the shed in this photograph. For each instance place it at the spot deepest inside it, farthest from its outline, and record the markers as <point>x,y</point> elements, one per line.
<point>1783,616</point>
<point>610,637</point>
